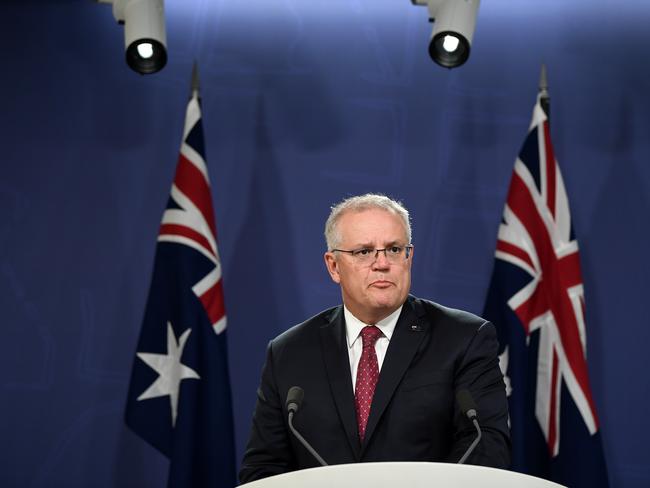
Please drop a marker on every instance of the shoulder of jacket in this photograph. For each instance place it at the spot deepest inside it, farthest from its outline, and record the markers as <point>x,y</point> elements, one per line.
<point>441,314</point>
<point>309,326</point>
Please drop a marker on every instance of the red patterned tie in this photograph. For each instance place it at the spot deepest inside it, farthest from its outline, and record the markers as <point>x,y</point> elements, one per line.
<point>367,376</point>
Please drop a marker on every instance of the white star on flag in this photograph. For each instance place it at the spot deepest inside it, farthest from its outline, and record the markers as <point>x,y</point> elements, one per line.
<point>170,370</point>
<point>503,365</point>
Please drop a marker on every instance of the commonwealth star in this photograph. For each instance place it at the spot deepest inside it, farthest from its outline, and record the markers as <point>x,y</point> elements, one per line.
<point>170,370</point>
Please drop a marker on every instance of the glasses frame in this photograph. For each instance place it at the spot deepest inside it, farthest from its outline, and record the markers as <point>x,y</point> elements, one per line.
<point>407,252</point>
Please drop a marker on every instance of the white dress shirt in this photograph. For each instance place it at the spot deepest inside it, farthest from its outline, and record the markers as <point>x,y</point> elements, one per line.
<point>353,328</point>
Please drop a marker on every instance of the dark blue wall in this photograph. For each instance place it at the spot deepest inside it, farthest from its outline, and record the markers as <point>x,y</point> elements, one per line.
<point>304,102</point>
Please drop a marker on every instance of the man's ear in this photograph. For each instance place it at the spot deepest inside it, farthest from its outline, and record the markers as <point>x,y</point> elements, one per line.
<point>332,266</point>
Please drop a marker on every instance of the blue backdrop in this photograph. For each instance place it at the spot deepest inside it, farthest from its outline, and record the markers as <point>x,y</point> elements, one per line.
<point>304,103</point>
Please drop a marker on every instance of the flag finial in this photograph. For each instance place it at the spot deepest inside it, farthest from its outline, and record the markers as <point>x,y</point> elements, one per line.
<point>195,80</point>
<point>543,82</point>
<point>544,97</point>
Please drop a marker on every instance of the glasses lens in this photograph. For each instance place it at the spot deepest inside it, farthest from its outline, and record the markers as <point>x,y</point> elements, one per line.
<point>393,254</point>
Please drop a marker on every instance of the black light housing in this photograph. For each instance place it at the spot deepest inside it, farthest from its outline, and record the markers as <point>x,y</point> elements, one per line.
<point>444,54</point>
<point>146,56</point>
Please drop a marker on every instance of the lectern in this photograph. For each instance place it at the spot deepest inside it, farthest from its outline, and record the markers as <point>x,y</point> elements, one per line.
<point>402,475</point>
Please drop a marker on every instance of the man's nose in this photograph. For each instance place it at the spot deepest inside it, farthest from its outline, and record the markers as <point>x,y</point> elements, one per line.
<point>381,260</point>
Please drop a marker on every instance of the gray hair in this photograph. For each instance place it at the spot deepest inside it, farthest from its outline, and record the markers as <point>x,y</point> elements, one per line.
<point>359,204</point>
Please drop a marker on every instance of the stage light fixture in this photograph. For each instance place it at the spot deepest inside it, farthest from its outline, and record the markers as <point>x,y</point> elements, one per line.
<point>453,29</point>
<point>145,38</point>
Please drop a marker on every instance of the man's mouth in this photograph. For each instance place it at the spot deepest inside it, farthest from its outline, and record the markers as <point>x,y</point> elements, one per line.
<point>381,284</point>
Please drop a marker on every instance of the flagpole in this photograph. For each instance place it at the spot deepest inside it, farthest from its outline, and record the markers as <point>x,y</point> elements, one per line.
<point>544,98</point>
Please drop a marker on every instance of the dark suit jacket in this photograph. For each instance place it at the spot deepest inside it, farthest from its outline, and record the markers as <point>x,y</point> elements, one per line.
<point>433,353</point>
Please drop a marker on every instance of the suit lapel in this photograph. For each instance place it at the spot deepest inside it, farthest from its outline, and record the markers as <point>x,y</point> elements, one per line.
<point>410,330</point>
<point>337,364</point>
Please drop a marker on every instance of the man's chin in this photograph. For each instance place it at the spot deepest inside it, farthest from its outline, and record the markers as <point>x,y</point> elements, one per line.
<point>386,302</point>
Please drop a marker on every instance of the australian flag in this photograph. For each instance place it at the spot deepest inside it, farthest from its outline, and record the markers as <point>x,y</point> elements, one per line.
<point>536,301</point>
<point>179,397</point>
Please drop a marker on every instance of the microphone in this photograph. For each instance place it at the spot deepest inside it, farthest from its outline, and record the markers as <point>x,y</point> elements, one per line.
<point>468,407</point>
<point>293,403</point>
<point>294,399</point>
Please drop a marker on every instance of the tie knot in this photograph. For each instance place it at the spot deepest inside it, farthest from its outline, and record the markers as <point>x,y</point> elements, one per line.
<point>369,335</point>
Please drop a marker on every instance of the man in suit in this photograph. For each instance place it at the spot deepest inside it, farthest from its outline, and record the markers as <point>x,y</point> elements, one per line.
<point>380,373</point>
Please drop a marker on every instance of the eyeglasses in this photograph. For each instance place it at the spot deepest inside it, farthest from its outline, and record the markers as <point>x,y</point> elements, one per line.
<point>394,254</point>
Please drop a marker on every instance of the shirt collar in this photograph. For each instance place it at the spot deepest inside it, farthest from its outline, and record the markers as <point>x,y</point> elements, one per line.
<point>353,325</point>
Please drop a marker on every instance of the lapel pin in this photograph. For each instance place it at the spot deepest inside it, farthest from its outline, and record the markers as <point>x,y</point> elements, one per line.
<point>416,328</point>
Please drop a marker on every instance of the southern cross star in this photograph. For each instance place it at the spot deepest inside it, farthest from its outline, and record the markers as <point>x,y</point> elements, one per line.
<point>170,370</point>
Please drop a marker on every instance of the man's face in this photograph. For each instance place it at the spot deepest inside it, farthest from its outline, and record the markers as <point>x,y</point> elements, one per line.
<point>370,291</point>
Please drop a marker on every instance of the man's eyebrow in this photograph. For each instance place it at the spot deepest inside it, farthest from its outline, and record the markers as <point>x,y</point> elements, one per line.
<point>363,246</point>
<point>394,243</point>
<point>369,245</point>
